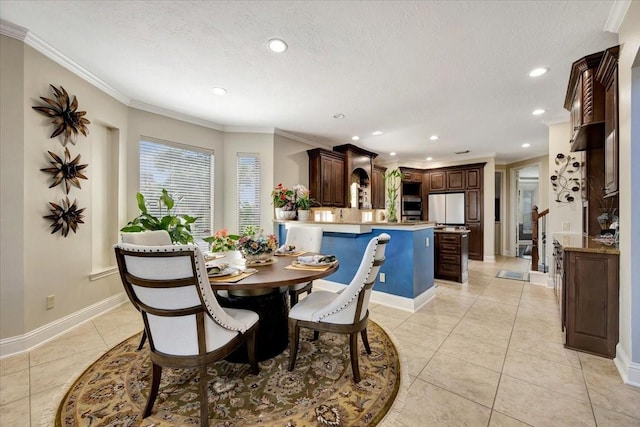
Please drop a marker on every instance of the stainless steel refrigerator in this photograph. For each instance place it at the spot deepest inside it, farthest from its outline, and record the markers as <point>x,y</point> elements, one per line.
<point>447,208</point>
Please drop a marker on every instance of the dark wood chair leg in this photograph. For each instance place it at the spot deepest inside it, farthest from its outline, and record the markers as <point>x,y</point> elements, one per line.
<point>204,397</point>
<point>294,337</point>
<point>251,352</point>
<point>365,340</point>
<point>293,298</point>
<point>156,373</point>
<point>143,339</point>
<point>353,347</point>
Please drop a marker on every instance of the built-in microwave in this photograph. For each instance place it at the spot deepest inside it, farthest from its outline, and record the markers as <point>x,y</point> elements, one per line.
<point>411,206</point>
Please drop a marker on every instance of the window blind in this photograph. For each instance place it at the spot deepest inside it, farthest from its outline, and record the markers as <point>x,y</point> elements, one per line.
<point>248,190</point>
<point>187,175</point>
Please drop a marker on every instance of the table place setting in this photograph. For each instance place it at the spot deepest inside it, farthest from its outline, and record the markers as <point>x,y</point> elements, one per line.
<point>288,251</point>
<point>313,262</point>
<point>226,273</point>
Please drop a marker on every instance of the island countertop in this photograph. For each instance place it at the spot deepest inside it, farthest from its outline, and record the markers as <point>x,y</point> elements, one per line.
<point>359,227</point>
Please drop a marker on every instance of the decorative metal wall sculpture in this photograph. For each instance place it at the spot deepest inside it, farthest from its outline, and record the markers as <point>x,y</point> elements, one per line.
<point>65,217</point>
<point>68,120</point>
<point>65,170</point>
<point>565,181</point>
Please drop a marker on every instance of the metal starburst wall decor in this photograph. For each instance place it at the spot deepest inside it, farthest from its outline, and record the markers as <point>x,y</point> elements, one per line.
<point>69,122</point>
<point>66,171</point>
<point>65,217</point>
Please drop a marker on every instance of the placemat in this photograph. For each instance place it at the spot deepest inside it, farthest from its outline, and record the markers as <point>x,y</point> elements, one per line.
<point>231,279</point>
<point>308,267</point>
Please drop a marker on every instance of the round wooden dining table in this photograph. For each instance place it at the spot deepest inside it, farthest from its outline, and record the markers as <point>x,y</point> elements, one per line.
<point>265,292</point>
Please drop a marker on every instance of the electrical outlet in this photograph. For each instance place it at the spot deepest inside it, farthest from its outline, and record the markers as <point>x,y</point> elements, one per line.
<point>566,226</point>
<point>51,301</point>
<point>383,277</point>
<point>426,242</point>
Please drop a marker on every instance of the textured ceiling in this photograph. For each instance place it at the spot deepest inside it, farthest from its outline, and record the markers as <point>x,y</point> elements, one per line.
<point>457,69</point>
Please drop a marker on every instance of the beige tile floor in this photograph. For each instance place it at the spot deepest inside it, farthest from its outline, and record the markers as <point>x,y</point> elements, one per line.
<point>486,353</point>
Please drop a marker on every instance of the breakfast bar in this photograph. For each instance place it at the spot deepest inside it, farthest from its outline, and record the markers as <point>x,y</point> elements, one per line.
<point>407,278</point>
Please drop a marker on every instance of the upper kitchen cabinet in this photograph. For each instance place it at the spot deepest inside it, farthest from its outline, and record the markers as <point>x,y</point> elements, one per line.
<point>607,74</point>
<point>455,180</point>
<point>378,187</point>
<point>327,177</point>
<point>411,175</point>
<point>437,181</point>
<point>585,101</point>
<point>358,168</point>
<point>474,178</point>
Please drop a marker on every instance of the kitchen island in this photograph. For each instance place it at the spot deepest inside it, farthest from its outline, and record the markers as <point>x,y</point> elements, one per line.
<point>406,279</point>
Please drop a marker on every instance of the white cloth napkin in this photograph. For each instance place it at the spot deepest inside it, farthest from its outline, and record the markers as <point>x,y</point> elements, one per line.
<point>316,259</point>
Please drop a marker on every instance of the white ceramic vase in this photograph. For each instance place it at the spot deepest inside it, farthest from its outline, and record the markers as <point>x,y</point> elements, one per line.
<point>303,214</point>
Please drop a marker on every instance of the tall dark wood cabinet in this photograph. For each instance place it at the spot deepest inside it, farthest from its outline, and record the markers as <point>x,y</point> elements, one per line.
<point>326,177</point>
<point>378,187</point>
<point>590,303</point>
<point>607,74</point>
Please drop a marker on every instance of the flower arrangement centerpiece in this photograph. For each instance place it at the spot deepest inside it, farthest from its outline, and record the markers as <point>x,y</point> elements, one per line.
<point>303,201</point>
<point>255,246</point>
<point>284,200</point>
<point>222,241</point>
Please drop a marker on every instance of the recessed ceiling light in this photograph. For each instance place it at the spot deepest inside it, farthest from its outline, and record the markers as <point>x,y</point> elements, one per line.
<point>538,112</point>
<point>429,159</point>
<point>220,91</point>
<point>434,137</point>
<point>393,153</point>
<point>526,145</point>
<point>355,138</point>
<point>376,133</point>
<point>338,116</point>
<point>537,72</point>
<point>277,45</point>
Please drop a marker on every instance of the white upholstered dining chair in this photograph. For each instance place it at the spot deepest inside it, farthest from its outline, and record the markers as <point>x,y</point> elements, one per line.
<point>345,312</point>
<point>147,238</point>
<point>186,326</point>
<point>308,239</point>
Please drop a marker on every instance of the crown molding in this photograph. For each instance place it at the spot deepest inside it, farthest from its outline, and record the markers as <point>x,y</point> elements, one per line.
<point>12,30</point>
<point>60,58</point>
<point>249,129</point>
<point>298,138</point>
<point>616,15</point>
<point>174,115</point>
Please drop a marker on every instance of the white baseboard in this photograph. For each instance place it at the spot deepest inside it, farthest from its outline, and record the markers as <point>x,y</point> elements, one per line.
<point>401,303</point>
<point>538,278</point>
<point>41,335</point>
<point>489,258</point>
<point>629,371</point>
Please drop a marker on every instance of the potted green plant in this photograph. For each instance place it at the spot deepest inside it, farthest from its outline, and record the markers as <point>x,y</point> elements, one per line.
<point>392,180</point>
<point>178,226</point>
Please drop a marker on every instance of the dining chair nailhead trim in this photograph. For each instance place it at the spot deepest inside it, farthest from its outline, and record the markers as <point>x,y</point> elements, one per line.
<point>355,294</point>
<point>190,249</point>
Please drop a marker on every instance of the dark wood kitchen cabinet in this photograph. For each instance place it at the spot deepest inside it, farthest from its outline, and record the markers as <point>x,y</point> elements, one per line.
<point>452,256</point>
<point>455,180</point>
<point>590,301</point>
<point>585,102</point>
<point>437,181</point>
<point>378,187</point>
<point>327,177</point>
<point>607,74</point>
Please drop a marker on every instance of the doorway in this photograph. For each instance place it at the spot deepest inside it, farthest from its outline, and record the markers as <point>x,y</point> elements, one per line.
<point>527,188</point>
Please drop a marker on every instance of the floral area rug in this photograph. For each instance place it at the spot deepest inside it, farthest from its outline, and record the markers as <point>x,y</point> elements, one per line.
<point>319,392</point>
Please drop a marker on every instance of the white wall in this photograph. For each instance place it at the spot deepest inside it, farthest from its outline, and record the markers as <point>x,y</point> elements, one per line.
<point>628,357</point>
<point>12,107</point>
